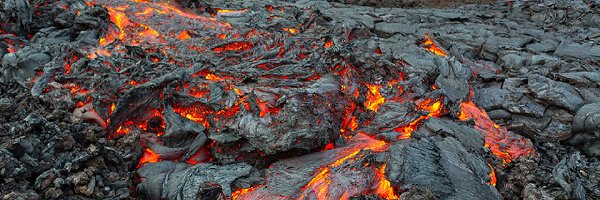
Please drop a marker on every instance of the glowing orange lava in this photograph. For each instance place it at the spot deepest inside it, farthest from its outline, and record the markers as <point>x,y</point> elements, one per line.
<point>504,144</point>
<point>184,36</point>
<point>119,18</point>
<point>430,46</point>
<point>435,110</point>
<point>492,176</point>
<point>384,187</point>
<point>328,44</point>
<point>374,98</point>
<point>196,114</point>
<point>233,46</point>
<point>321,181</point>
<point>238,194</point>
<point>291,30</point>
<point>149,157</point>
<point>226,11</point>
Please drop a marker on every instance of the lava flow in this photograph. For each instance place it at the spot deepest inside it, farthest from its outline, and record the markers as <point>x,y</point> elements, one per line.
<point>212,93</point>
<point>504,144</point>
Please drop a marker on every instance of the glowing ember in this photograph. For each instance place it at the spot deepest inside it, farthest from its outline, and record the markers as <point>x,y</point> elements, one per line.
<point>76,89</point>
<point>504,144</point>
<point>196,114</point>
<point>119,18</point>
<point>112,108</point>
<point>265,108</point>
<point>374,98</point>
<point>430,46</point>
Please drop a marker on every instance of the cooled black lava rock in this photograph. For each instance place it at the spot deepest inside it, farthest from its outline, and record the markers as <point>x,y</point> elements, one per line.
<point>443,160</point>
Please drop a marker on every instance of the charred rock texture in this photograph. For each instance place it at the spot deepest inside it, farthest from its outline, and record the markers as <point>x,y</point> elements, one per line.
<point>303,99</point>
<point>444,159</point>
<point>202,180</point>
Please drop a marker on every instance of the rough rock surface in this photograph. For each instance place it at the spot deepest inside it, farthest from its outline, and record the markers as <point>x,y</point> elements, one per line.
<point>532,65</point>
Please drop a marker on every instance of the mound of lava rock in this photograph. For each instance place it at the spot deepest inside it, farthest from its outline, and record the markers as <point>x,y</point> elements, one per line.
<point>151,99</point>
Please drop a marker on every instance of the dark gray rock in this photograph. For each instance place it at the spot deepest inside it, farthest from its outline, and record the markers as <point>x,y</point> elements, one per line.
<point>544,47</point>
<point>590,78</point>
<point>386,29</point>
<point>512,101</point>
<point>180,131</point>
<point>440,165</point>
<point>192,182</point>
<point>555,93</point>
<point>453,79</point>
<point>512,61</point>
<point>578,51</point>
<point>587,119</point>
<point>472,140</point>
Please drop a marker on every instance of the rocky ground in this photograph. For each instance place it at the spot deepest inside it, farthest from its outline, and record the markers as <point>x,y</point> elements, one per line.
<point>534,67</point>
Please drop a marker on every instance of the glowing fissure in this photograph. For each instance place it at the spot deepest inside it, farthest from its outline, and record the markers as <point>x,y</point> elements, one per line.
<point>432,47</point>
<point>504,144</point>
<point>321,181</point>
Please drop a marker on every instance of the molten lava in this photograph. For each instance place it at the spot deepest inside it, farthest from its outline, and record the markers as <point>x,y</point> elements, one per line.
<point>435,109</point>
<point>374,98</point>
<point>321,181</point>
<point>430,46</point>
<point>492,176</point>
<point>148,157</point>
<point>233,46</point>
<point>504,144</point>
<point>384,187</point>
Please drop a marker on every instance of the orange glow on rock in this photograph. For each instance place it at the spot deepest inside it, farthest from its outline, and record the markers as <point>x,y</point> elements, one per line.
<point>119,19</point>
<point>265,108</point>
<point>504,144</point>
<point>321,181</point>
<point>435,109</point>
<point>291,30</point>
<point>492,176</point>
<point>239,194</point>
<point>212,77</point>
<point>183,36</point>
<point>430,46</point>
<point>76,89</point>
<point>233,46</point>
<point>328,44</point>
<point>149,157</point>
<point>384,187</point>
<point>226,11</point>
<point>374,98</point>
<point>196,114</point>
<point>112,108</point>
<point>328,147</point>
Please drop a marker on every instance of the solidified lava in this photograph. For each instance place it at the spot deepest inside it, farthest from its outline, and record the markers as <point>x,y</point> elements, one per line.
<point>288,100</point>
